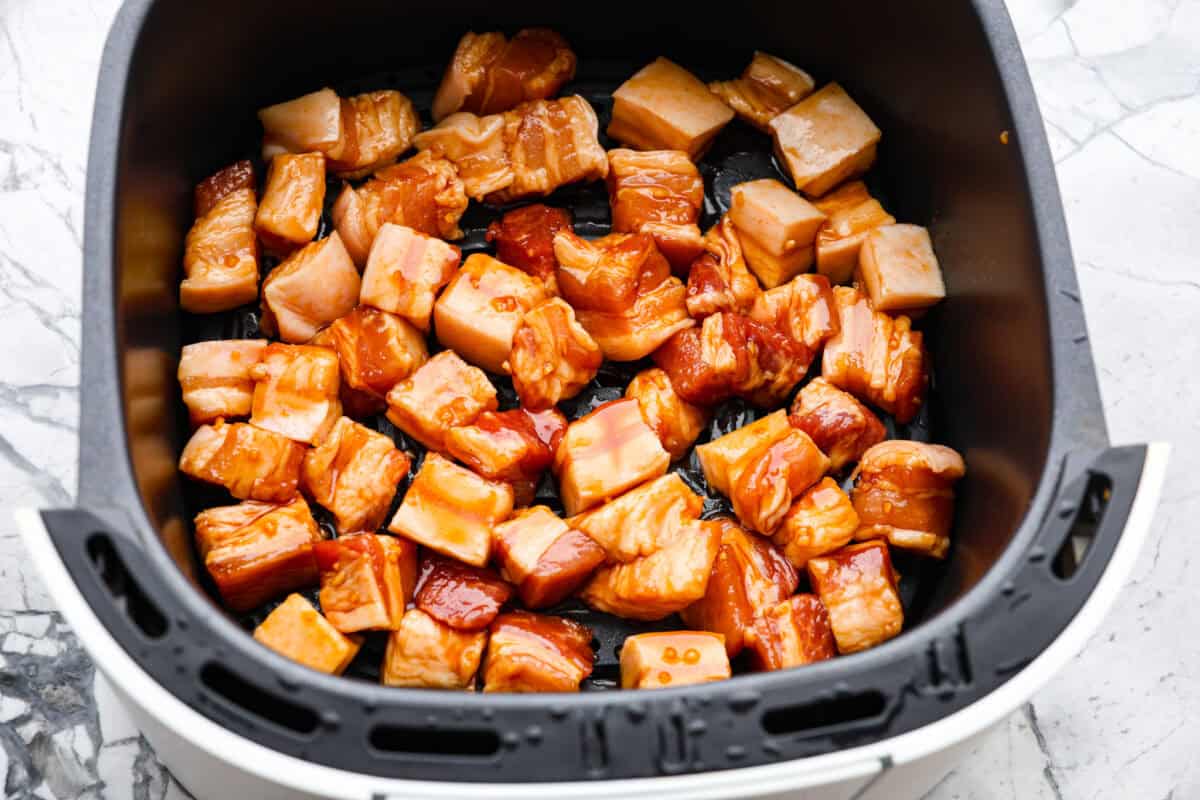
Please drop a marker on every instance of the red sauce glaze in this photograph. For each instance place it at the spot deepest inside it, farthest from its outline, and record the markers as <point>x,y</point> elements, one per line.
<point>216,187</point>
<point>524,238</point>
<point>513,434</point>
<point>533,65</point>
<point>459,595</point>
<point>561,569</point>
<point>564,636</point>
<point>550,426</point>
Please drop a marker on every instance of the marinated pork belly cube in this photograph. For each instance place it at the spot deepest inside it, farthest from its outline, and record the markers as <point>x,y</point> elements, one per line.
<point>298,631</point>
<point>876,357</point>
<point>791,634</point>
<point>423,193</point>
<point>802,310</point>
<point>220,257</point>
<point>314,286</point>
<point>677,422</point>
<point>899,269</point>
<point>476,147</point>
<point>489,74</point>
<point>504,446</point>
<point>252,463</point>
<point>851,214</point>
<point>905,494</point>
<point>464,597</point>
<point>354,473</point>
<point>524,238</point>
<point>749,576</point>
<point>767,480</point>
<point>536,653</point>
<point>215,378</point>
<point>718,457</point>
<point>310,123</point>
<point>821,521</point>
<point>605,453</point>
<point>405,270</point>
<point>376,350</point>
<point>443,393</point>
<point>296,391</point>
<point>778,229</point>
<point>673,658</point>
<point>425,654</point>
<point>450,509</point>
<point>550,426</point>
<point>841,426</point>
<point>665,107</point>
<point>550,144</point>
<point>642,520</point>
<point>768,87</point>
<point>773,270</point>
<point>378,127</point>
<point>718,280</point>
<point>659,193</point>
<point>479,312</point>
<point>665,582</point>
<point>292,202</point>
<point>366,580</point>
<point>543,556</point>
<point>824,139</point>
<point>552,356</point>
<point>857,586</point>
<point>256,551</point>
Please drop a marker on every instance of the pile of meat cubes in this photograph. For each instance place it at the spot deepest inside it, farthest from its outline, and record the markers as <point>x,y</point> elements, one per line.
<point>383,315</point>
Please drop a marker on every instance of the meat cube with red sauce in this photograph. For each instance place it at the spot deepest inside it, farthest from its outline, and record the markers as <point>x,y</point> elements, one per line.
<point>899,269</point>
<point>824,139</point>
<point>605,453</point>
<point>553,358</point>
<point>452,510</point>
<point>857,586</point>
<point>296,391</point>
<point>820,521</point>
<point>792,633</point>
<point>642,520</point>
<point>665,107</point>
<point>311,288</point>
<point>551,143</point>
<point>777,227</point>
<point>851,213</point>
<point>673,658</point>
<point>504,446</point>
<point>660,193</point>
<point>841,426</point>
<point>476,147</point>
<point>536,653</point>
<point>543,556</point>
<point>677,422</point>
<point>366,580</point>
<point>905,494</point>
<point>490,73</point>
<point>442,394</point>
<point>748,577</point>
<point>292,202</point>
<point>425,654</point>
<point>720,457</point>
<point>767,87</point>
<point>404,272</point>
<point>876,357</point>
<point>220,257</point>
<point>767,480</point>
<point>524,238</point>
<point>718,279</point>
<point>252,463</point>
<point>298,631</point>
<point>256,551</point>
<point>215,378</point>
<point>354,473</point>
<point>459,595</point>
<point>375,349</point>
<point>802,310</point>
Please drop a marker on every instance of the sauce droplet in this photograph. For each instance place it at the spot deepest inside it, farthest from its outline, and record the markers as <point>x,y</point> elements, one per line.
<point>691,655</point>
<point>664,677</point>
<point>670,655</point>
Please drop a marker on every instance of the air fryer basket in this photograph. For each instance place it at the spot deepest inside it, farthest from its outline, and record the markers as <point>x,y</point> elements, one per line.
<point>1038,516</point>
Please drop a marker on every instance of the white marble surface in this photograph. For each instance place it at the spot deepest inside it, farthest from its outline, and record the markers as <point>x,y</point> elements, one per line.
<point>1119,85</point>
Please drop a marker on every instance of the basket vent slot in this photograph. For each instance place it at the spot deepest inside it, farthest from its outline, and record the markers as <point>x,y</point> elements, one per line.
<point>257,701</point>
<point>425,741</point>
<point>1088,516</point>
<point>126,593</point>
<point>826,713</point>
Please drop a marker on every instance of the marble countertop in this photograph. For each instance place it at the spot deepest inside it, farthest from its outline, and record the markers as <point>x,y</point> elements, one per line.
<point>1119,86</point>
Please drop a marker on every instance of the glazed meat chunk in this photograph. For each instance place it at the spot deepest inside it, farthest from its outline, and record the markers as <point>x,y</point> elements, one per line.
<point>720,457</point>
<point>443,393</point>
<point>524,238</point>
<point>672,658</point>
<point>366,580</point>
<point>641,521</point>
<point>459,595</point>
<point>821,521</point>
<point>296,391</point>
<point>489,73</point>
<point>677,422</point>
<point>659,193</point>
<point>476,147</point>
<point>905,494</point>
<point>899,269</point>
<point>215,378</point>
<point>536,653</point>
<point>767,87</point>
<point>778,229</point>
<point>543,556</point>
<point>665,107</point>
<point>748,577</point>
<point>551,143</point>
<point>605,453</point>
<point>405,270</point>
<point>875,357</point>
<point>354,473</point>
<point>766,481</point>
<point>857,586</point>
<point>718,280</point>
<point>311,123</point>
<point>802,310</point>
<point>824,139</point>
<point>450,509</point>
<point>220,257</point>
<point>480,311</point>
<point>552,356</point>
<point>292,202</point>
<point>504,446</point>
<point>314,286</point>
<point>851,213</point>
<point>257,551</point>
<point>375,349</point>
<point>840,425</point>
<point>425,654</point>
<point>298,631</point>
<point>252,463</point>
<point>793,633</point>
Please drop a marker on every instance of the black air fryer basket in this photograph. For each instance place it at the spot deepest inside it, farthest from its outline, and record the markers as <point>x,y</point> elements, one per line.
<point>1038,516</point>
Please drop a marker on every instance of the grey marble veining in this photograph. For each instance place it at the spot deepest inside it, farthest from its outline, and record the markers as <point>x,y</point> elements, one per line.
<point>1119,85</point>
